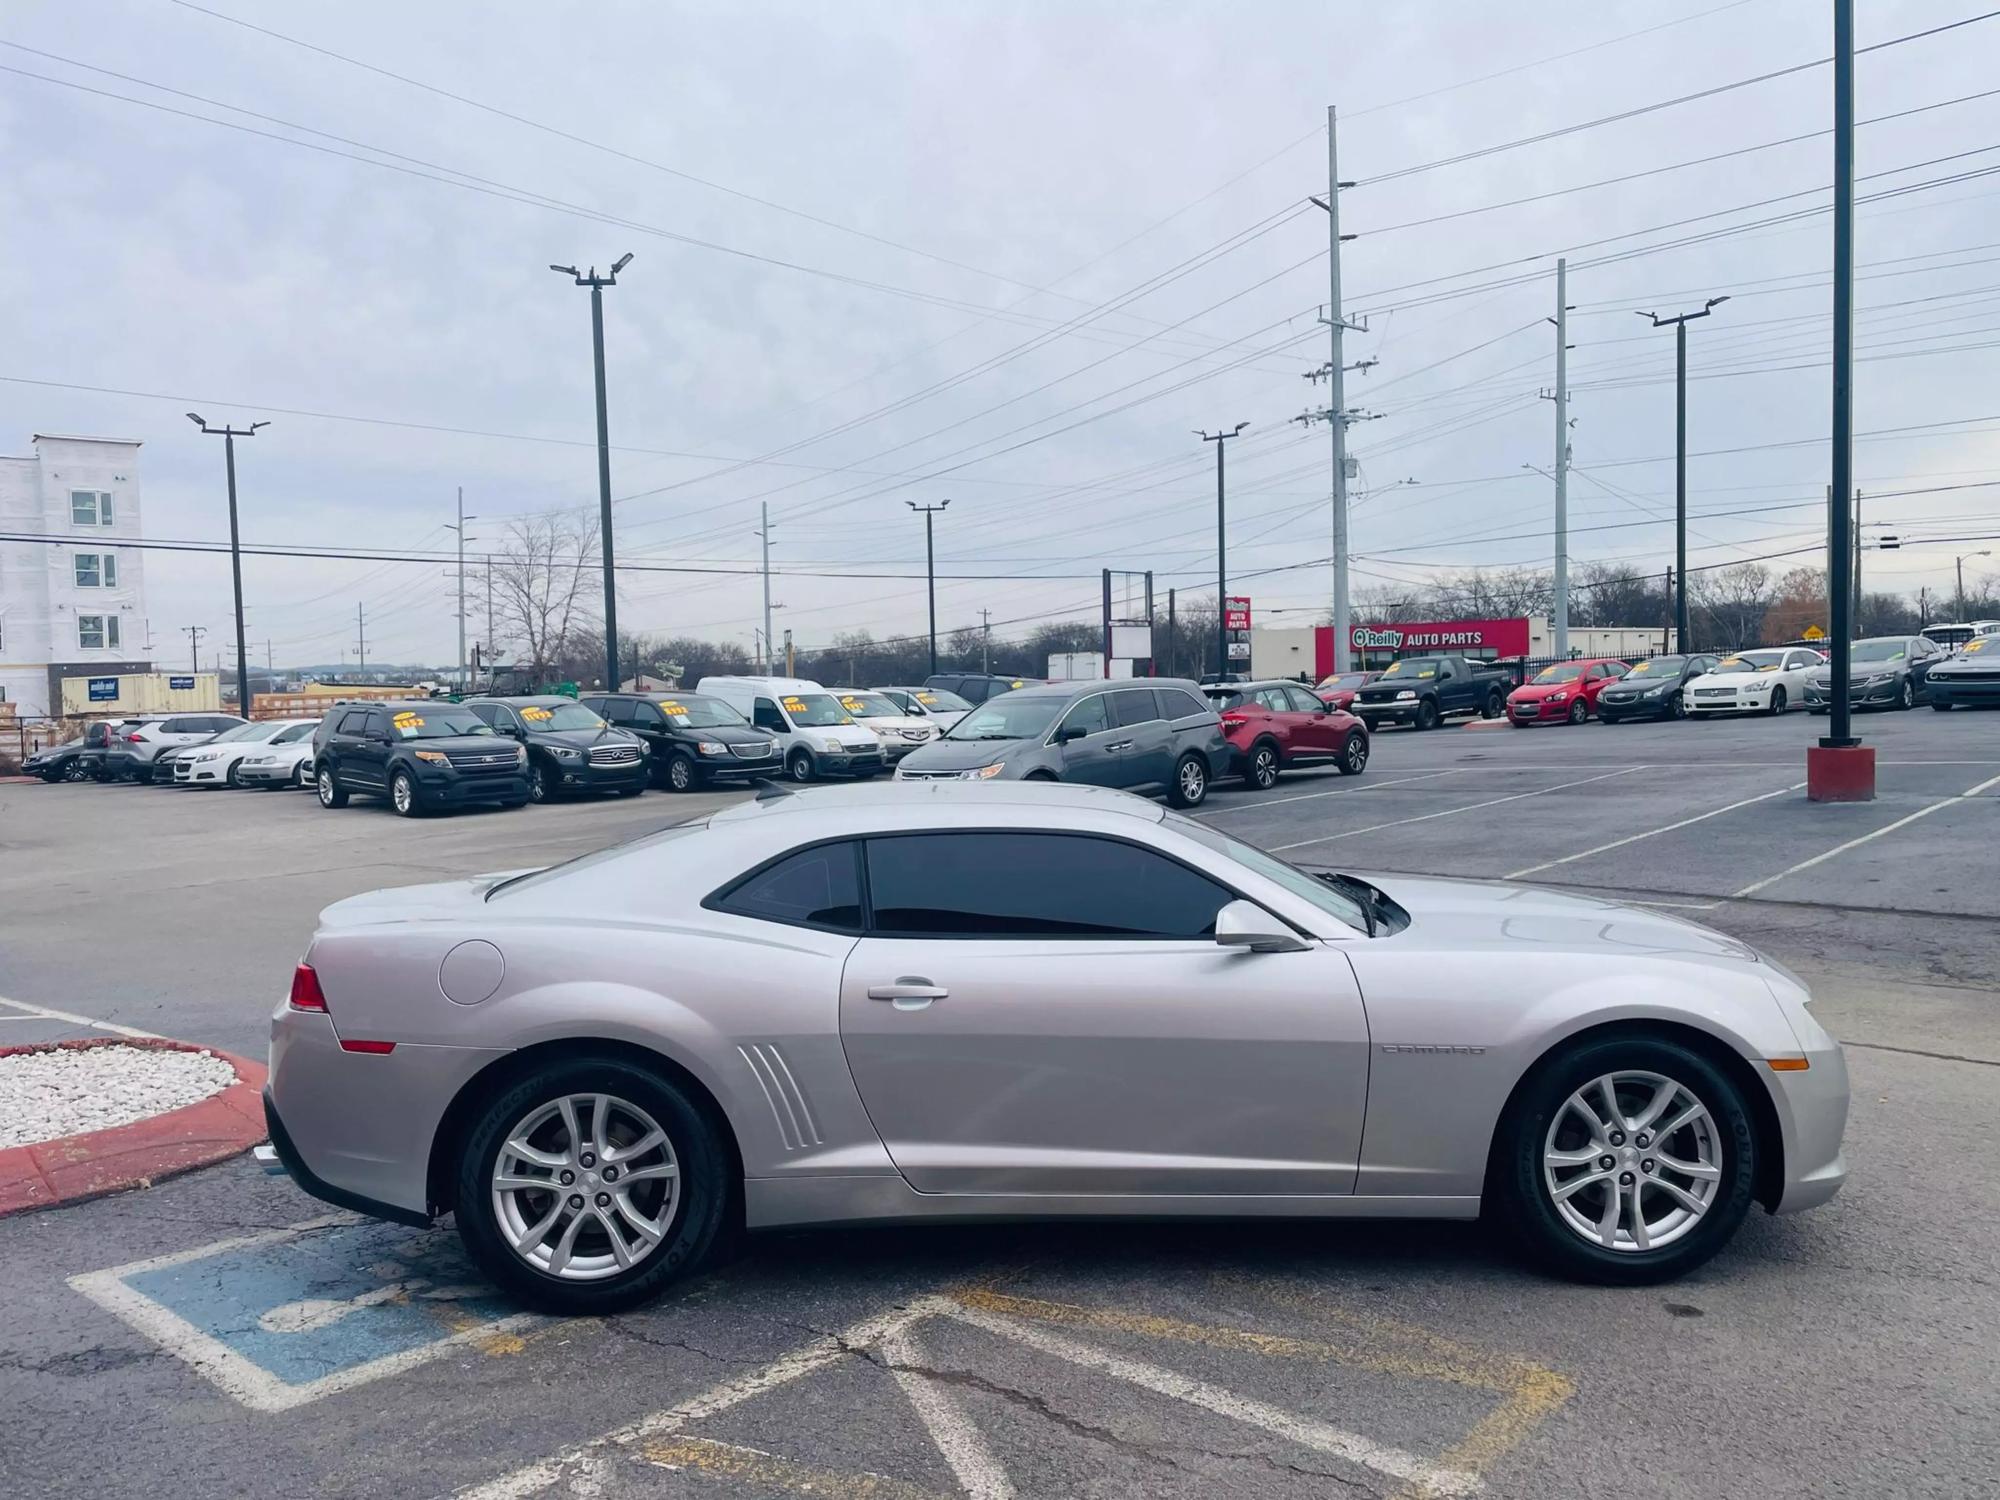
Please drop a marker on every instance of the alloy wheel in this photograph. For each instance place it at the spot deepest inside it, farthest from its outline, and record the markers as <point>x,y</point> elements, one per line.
<point>327,790</point>
<point>1905,698</point>
<point>680,775</point>
<point>538,785</point>
<point>1355,756</point>
<point>1579,711</point>
<point>1680,707</point>
<point>1192,779</point>
<point>585,1187</point>
<point>1632,1161</point>
<point>402,796</point>
<point>1264,768</point>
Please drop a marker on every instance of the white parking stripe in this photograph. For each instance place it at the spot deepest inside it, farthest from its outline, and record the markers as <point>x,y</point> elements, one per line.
<point>972,1463</point>
<point>43,1013</point>
<point>1340,791</point>
<point>1817,859</point>
<point>1453,811</point>
<point>1634,838</point>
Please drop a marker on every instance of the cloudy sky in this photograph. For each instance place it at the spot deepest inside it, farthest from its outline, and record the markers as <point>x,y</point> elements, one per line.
<point>1006,255</point>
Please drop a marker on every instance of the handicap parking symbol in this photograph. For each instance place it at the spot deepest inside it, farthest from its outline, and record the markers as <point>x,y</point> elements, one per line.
<point>288,1316</point>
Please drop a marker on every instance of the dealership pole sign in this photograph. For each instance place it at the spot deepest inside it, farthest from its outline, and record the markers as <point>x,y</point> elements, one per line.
<point>1236,612</point>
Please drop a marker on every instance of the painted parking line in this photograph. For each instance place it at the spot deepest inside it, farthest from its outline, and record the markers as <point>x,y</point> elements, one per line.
<point>611,1464</point>
<point>1350,789</point>
<point>289,1316</point>
<point>1449,812</point>
<point>29,1012</point>
<point>1855,843</point>
<point>1550,864</point>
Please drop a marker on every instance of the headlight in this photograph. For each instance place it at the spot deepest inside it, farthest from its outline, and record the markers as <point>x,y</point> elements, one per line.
<point>829,743</point>
<point>1558,697</point>
<point>1655,690</point>
<point>712,747</point>
<point>1407,693</point>
<point>520,755</point>
<point>207,755</point>
<point>564,752</point>
<point>984,773</point>
<point>1880,679</point>
<point>258,760</point>
<point>433,757</point>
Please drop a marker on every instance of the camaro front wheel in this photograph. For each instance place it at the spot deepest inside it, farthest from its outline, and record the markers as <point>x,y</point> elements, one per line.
<point>591,1184</point>
<point>1625,1161</point>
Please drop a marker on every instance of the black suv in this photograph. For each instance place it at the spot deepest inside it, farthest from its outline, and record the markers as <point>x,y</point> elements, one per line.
<point>694,738</point>
<point>421,756</point>
<point>977,687</point>
<point>570,747</point>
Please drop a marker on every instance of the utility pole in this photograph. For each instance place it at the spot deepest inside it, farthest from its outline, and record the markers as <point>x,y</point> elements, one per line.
<point>1678,642</point>
<point>460,530</point>
<point>1680,322</point>
<point>985,642</point>
<point>1173,639</point>
<point>597,284</point>
<point>1221,441</point>
<point>764,535</point>
<point>930,568</point>
<point>489,620</point>
<point>1563,459</point>
<point>1958,563</point>
<point>229,435</point>
<point>1337,325</point>
<point>194,633</point>
<point>1857,559</point>
<point>270,670</point>
<point>360,636</point>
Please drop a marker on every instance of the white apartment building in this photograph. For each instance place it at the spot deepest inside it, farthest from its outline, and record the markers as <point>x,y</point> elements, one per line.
<point>72,589</point>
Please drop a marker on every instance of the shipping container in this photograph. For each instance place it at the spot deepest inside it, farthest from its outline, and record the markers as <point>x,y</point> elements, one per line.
<point>110,697</point>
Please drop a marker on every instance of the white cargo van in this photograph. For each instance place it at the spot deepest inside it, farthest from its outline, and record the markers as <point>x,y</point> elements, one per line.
<point>816,736</point>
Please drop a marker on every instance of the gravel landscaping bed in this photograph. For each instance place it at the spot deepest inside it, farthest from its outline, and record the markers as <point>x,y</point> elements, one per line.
<point>69,1091</point>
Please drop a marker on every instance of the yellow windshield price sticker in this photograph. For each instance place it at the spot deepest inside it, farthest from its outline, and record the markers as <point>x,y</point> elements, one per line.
<point>535,713</point>
<point>795,705</point>
<point>674,710</point>
<point>408,720</point>
<point>853,705</point>
<point>1427,672</point>
<point>1972,646</point>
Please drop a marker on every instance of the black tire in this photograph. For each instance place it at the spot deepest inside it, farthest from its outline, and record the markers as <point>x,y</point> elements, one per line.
<point>541,783</point>
<point>681,775</point>
<point>299,776</point>
<point>1041,776</point>
<point>331,792</point>
<point>1427,713</point>
<point>230,778</point>
<point>76,770</point>
<point>1189,788</point>
<point>1777,701</point>
<point>1678,709</point>
<point>1521,1197</point>
<point>1494,706</point>
<point>706,1186</point>
<point>1260,772</point>
<point>1579,712</point>
<point>1353,753</point>
<point>404,798</point>
<point>1906,698</point>
<point>799,765</point>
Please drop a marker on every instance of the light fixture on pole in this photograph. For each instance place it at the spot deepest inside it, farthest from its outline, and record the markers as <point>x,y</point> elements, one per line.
<point>1680,322</point>
<point>597,284</point>
<point>229,435</point>
<point>930,568</point>
<point>1221,441</point>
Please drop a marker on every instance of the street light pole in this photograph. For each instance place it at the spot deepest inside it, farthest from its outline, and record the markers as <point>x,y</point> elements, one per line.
<point>1221,441</point>
<point>459,529</point>
<point>597,284</point>
<point>930,568</point>
<point>1680,322</point>
<point>229,435</point>
<point>1958,564</point>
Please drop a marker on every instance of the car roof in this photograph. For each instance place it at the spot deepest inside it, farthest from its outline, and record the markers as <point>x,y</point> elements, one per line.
<point>525,699</point>
<point>1099,684</point>
<point>902,798</point>
<point>1242,687</point>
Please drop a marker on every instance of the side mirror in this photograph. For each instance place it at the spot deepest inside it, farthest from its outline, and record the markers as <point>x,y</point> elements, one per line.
<point>1070,732</point>
<point>1245,924</point>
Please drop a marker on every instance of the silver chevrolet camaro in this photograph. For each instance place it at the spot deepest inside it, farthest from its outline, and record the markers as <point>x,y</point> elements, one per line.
<point>954,1002</point>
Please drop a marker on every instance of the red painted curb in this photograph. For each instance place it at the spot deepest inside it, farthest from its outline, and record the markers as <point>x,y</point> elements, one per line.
<point>71,1169</point>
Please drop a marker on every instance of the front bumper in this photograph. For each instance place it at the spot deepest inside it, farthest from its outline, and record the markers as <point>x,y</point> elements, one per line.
<point>1372,714</point>
<point>848,762</point>
<point>1882,695</point>
<point>441,788</point>
<point>1812,1108</point>
<point>1735,703</point>
<point>1632,708</point>
<point>203,773</point>
<point>573,776</point>
<point>258,775</point>
<point>718,767</point>
<point>1971,691</point>
<point>1540,711</point>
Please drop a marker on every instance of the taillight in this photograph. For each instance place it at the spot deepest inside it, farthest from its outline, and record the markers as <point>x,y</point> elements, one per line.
<point>135,738</point>
<point>1234,719</point>
<point>305,990</point>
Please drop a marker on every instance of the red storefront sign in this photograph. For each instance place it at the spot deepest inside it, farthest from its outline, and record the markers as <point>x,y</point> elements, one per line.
<point>1376,644</point>
<point>1236,612</point>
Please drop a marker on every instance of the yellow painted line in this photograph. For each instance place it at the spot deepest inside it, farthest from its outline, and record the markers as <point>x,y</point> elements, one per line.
<point>713,1460</point>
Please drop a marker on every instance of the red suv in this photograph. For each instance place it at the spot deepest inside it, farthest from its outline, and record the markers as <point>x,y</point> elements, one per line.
<point>1338,692</point>
<point>1562,694</point>
<point>1274,726</point>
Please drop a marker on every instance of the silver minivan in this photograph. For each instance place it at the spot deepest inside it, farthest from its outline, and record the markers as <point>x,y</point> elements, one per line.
<point>1156,736</point>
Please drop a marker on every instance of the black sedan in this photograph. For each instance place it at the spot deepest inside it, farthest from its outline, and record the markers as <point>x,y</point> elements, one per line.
<point>1884,671</point>
<point>1653,689</point>
<point>64,762</point>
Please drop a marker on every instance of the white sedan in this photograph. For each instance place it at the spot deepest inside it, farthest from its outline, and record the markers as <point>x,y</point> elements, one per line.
<point>1753,682</point>
<point>266,753</point>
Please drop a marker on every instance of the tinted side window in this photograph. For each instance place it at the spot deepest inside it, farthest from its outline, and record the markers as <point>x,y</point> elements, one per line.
<point>647,716</point>
<point>487,711</point>
<point>1179,703</point>
<point>1303,702</point>
<point>815,887</point>
<point>599,706</point>
<point>1134,706</point>
<point>354,721</point>
<point>1035,885</point>
<point>377,722</point>
<point>1091,715</point>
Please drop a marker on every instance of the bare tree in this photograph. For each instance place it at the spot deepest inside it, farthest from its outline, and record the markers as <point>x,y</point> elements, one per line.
<point>1726,605</point>
<point>542,590</point>
<point>1799,601</point>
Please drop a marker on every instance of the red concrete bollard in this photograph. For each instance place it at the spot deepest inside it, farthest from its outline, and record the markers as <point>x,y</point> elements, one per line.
<point>1843,773</point>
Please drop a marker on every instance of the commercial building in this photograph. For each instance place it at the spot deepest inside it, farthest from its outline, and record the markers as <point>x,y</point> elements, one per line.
<point>1307,650</point>
<point>72,588</point>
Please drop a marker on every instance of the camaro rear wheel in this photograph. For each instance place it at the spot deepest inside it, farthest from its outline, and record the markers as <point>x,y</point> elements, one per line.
<point>1626,1161</point>
<point>590,1185</point>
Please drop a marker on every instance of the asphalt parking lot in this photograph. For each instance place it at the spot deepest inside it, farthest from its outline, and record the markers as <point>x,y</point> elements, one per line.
<point>222,1334</point>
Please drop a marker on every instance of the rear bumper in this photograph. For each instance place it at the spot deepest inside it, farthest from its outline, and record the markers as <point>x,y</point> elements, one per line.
<point>311,1182</point>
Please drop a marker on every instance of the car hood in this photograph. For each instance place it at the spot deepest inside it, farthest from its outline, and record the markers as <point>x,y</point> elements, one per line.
<point>1732,679</point>
<point>962,755</point>
<point>578,739</point>
<point>1983,661</point>
<point>895,723</point>
<point>1633,687</point>
<point>1475,914</point>
<point>1534,692</point>
<point>1857,671</point>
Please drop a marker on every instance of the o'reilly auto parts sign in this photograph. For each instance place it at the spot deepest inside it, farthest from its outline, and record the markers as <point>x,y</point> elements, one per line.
<point>1501,637</point>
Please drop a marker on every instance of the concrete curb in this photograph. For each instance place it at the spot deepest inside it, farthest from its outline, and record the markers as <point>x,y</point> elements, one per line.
<point>74,1168</point>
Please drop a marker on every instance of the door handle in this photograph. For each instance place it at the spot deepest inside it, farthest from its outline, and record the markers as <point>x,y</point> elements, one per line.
<point>1119,745</point>
<point>911,992</point>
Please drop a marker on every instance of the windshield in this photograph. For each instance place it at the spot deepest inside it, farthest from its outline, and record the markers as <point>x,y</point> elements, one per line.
<point>1415,666</point>
<point>1884,648</point>
<point>937,700</point>
<point>1567,671</point>
<point>1329,899</point>
<point>1348,683</point>
<point>1659,666</point>
<point>559,716</point>
<point>1750,661</point>
<point>1008,718</point>
<point>246,732</point>
<point>442,722</point>
<point>816,710</point>
<point>870,706</point>
<point>690,711</point>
